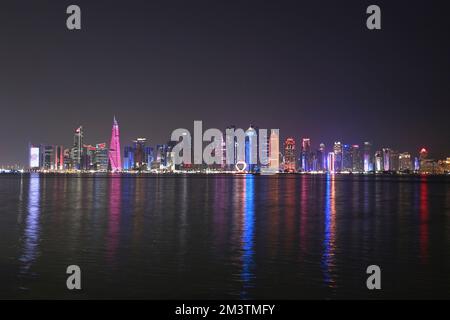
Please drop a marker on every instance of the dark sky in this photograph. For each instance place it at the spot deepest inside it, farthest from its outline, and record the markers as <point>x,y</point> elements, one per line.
<point>310,68</point>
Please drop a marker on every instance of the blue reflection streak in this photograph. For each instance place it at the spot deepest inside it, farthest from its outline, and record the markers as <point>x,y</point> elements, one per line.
<point>31,232</point>
<point>328,241</point>
<point>248,236</point>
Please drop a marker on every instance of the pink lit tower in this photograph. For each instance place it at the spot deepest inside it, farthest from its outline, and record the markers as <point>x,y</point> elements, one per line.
<point>115,160</point>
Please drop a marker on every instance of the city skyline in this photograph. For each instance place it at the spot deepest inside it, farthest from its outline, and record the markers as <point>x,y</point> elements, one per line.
<point>160,68</point>
<point>79,131</point>
<point>142,155</point>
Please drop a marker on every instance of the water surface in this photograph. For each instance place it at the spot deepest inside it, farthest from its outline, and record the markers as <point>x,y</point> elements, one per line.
<point>213,237</point>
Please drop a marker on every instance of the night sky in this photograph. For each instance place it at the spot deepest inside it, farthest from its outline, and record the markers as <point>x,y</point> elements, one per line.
<point>310,68</point>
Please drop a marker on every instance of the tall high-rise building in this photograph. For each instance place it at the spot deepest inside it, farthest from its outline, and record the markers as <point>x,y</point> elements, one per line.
<point>331,162</point>
<point>289,155</point>
<point>148,151</point>
<point>337,149</point>
<point>405,163</point>
<point>88,157</point>
<point>356,158</point>
<point>347,158</point>
<point>387,159</point>
<point>274,151</point>
<point>160,161</point>
<point>140,160</point>
<point>368,165</point>
<point>394,165</point>
<point>77,149</point>
<point>115,159</point>
<point>305,155</point>
<point>34,157</point>
<point>321,158</point>
<point>128,158</point>
<point>379,166</point>
<point>251,148</point>
<point>101,157</point>
<point>58,158</point>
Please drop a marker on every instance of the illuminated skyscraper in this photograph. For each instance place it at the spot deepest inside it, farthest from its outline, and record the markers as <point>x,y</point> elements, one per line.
<point>274,151</point>
<point>305,156</point>
<point>394,161</point>
<point>251,148</point>
<point>140,160</point>
<point>77,149</point>
<point>387,159</point>
<point>115,160</point>
<point>379,161</point>
<point>337,149</point>
<point>289,155</point>
<point>128,158</point>
<point>101,157</point>
<point>356,158</point>
<point>35,162</point>
<point>331,161</point>
<point>368,165</point>
<point>347,158</point>
<point>321,158</point>
<point>405,163</point>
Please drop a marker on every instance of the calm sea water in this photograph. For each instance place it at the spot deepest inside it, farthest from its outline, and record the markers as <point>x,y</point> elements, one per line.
<point>249,237</point>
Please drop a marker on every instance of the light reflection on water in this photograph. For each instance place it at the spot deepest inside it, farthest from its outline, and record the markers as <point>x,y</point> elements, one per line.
<point>248,235</point>
<point>32,227</point>
<point>230,237</point>
<point>329,242</point>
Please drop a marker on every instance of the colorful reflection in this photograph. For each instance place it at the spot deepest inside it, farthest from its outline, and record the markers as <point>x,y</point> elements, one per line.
<point>303,213</point>
<point>115,198</point>
<point>329,242</point>
<point>247,240</point>
<point>32,228</point>
<point>423,216</point>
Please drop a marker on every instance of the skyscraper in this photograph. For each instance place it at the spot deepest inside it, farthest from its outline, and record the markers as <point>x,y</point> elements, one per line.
<point>140,160</point>
<point>378,161</point>
<point>321,158</point>
<point>387,159</point>
<point>405,163</point>
<point>274,151</point>
<point>77,149</point>
<point>337,149</point>
<point>347,158</point>
<point>251,148</point>
<point>331,162</point>
<point>115,160</point>
<point>289,155</point>
<point>101,157</point>
<point>305,157</point>
<point>368,166</point>
<point>356,158</point>
<point>128,158</point>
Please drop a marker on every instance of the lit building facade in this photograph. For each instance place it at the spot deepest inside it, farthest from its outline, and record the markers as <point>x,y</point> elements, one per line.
<point>368,165</point>
<point>358,165</point>
<point>405,163</point>
<point>331,162</point>
<point>337,150</point>
<point>289,155</point>
<point>274,151</point>
<point>77,149</point>
<point>305,155</point>
<point>251,149</point>
<point>115,159</point>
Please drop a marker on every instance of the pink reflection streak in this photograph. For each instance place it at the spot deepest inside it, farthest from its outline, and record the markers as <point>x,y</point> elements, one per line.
<point>423,214</point>
<point>114,217</point>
